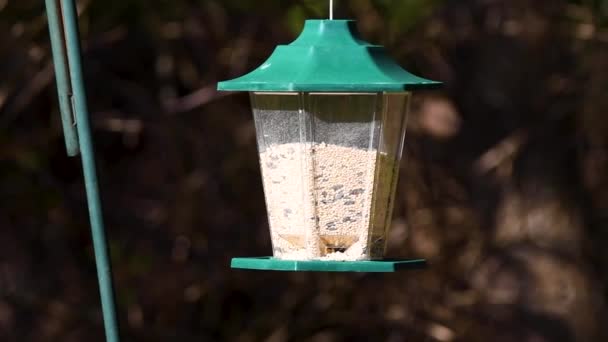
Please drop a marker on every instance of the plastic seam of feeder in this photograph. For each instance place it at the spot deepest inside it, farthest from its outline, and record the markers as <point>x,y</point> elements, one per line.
<point>380,107</point>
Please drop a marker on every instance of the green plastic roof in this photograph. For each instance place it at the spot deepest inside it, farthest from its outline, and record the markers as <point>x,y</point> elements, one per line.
<point>329,56</point>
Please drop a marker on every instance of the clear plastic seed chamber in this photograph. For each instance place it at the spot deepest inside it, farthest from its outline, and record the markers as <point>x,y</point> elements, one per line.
<point>329,163</point>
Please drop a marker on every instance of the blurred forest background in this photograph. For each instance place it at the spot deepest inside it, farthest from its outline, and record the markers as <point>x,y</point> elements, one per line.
<point>504,187</point>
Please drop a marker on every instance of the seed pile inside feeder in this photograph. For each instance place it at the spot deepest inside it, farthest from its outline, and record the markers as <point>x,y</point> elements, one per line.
<point>319,199</point>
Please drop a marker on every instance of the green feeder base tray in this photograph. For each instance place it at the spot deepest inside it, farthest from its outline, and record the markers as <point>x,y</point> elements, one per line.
<point>272,264</point>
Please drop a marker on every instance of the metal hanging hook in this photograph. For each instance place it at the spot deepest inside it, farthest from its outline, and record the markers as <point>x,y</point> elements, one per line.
<point>59,48</point>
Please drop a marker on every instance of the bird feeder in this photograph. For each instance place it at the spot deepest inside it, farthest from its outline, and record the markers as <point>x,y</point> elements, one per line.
<point>330,115</point>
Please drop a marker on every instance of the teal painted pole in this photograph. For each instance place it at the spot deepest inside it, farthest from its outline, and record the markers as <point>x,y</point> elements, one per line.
<point>63,27</point>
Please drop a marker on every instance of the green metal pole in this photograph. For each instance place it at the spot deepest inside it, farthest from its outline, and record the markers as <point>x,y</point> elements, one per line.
<point>66,45</point>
